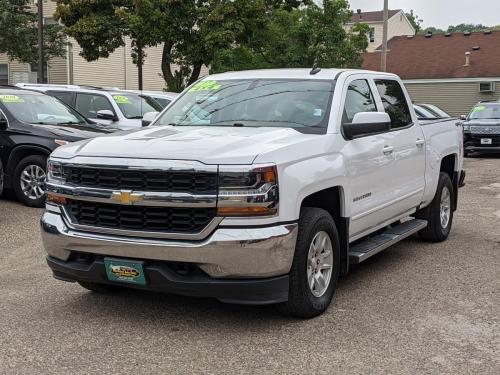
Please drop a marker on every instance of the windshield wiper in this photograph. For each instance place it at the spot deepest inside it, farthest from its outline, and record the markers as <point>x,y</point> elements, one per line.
<point>135,117</point>
<point>71,123</point>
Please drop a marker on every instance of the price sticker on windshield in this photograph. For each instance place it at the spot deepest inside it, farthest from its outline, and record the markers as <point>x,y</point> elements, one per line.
<point>11,99</point>
<point>479,108</point>
<point>208,85</point>
<point>121,99</point>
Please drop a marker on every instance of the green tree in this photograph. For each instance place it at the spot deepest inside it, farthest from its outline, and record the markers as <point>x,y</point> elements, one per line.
<point>415,21</point>
<point>466,27</point>
<point>18,36</point>
<point>189,30</point>
<point>299,38</point>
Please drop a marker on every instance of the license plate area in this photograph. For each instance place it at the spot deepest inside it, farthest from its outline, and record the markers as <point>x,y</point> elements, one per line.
<point>125,271</point>
<point>486,141</point>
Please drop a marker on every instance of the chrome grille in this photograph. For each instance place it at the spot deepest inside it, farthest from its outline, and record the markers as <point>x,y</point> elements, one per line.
<point>185,181</point>
<point>485,130</point>
<point>139,218</point>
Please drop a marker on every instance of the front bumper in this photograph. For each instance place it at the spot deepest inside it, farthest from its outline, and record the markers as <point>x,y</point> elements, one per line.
<point>232,254</point>
<point>472,143</point>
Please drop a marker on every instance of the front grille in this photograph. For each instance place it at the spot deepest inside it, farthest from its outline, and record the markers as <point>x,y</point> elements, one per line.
<point>168,181</point>
<point>140,218</point>
<point>475,140</point>
<point>486,130</point>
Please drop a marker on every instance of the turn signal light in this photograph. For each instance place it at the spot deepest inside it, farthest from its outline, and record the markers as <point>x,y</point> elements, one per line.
<point>57,199</point>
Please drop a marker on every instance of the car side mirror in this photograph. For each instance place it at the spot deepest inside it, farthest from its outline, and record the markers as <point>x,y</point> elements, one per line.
<point>148,118</point>
<point>3,123</point>
<point>463,117</point>
<point>106,114</point>
<point>367,123</point>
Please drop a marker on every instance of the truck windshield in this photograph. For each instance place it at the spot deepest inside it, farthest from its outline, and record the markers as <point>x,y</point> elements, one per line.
<point>297,103</point>
<point>135,106</point>
<point>40,109</point>
<point>485,111</point>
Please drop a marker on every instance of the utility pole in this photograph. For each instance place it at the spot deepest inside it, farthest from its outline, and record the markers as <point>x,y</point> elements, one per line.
<point>384,36</point>
<point>40,77</point>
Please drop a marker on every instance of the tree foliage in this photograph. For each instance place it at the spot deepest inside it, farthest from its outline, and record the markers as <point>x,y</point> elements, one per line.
<point>18,36</point>
<point>415,21</point>
<point>223,34</point>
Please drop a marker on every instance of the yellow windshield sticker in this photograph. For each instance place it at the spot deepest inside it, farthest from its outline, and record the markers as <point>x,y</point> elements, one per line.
<point>479,108</point>
<point>11,99</point>
<point>121,99</point>
<point>208,85</point>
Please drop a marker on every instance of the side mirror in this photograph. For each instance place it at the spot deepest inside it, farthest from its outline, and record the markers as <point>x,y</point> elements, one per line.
<point>148,118</point>
<point>463,117</point>
<point>106,114</point>
<point>3,123</point>
<point>367,123</point>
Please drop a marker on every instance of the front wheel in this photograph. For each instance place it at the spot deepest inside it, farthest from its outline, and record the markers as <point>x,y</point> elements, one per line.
<point>439,214</point>
<point>29,180</point>
<point>315,269</point>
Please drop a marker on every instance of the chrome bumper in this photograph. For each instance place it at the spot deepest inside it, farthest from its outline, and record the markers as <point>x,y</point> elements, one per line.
<point>227,253</point>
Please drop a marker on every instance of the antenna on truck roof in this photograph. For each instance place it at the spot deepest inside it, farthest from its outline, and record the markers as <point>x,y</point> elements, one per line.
<point>315,69</point>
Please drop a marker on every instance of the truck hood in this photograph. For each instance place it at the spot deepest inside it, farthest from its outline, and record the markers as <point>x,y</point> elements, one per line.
<point>209,145</point>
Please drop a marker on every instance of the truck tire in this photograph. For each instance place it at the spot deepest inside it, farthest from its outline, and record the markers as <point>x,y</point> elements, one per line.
<point>439,214</point>
<point>29,180</point>
<point>99,288</point>
<point>316,264</point>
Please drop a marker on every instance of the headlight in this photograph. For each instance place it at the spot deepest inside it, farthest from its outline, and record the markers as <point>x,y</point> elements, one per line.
<point>466,128</point>
<point>248,191</point>
<point>55,172</point>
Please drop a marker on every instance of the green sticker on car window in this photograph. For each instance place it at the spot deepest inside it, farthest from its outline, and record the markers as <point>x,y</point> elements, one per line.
<point>208,85</point>
<point>11,99</point>
<point>121,99</point>
<point>479,108</point>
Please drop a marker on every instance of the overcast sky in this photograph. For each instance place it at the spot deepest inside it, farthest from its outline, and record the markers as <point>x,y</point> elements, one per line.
<point>441,13</point>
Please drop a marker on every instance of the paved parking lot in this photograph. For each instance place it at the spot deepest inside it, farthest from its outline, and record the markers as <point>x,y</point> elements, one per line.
<point>415,308</point>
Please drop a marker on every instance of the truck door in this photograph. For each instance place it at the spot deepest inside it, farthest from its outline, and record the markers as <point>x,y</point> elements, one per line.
<point>369,162</point>
<point>408,175</point>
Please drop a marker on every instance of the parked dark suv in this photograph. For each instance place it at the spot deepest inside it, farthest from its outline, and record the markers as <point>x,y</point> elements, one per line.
<point>32,125</point>
<point>482,128</point>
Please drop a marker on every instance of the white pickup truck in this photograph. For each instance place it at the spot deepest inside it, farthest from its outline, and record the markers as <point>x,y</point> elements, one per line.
<point>257,187</point>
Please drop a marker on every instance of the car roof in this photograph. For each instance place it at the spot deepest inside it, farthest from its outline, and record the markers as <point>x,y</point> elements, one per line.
<point>303,73</point>
<point>17,91</point>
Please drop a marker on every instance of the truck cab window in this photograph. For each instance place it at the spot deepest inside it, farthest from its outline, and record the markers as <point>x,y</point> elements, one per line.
<point>359,98</point>
<point>89,104</point>
<point>394,101</point>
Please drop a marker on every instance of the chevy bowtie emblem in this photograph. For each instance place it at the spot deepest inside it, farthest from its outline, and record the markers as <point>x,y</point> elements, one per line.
<point>127,197</point>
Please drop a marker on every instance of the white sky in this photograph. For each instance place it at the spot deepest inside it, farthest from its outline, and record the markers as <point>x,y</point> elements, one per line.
<point>441,13</point>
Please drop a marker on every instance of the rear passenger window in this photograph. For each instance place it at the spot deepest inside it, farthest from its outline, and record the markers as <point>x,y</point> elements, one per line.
<point>89,104</point>
<point>359,98</point>
<point>394,101</point>
<point>64,96</point>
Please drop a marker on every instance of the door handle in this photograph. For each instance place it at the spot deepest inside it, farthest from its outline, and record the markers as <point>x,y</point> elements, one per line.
<point>387,150</point>
<point>419,142</point>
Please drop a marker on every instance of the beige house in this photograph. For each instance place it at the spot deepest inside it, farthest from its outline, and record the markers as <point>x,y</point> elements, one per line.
<point>398,24</point>
<point>118,70</point>
<point>453,71</point>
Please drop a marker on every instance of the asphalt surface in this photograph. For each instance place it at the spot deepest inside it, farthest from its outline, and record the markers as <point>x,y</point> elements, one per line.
<point>416,308</point>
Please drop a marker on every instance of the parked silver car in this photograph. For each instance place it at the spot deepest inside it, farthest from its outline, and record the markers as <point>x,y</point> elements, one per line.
<point>108,106</point>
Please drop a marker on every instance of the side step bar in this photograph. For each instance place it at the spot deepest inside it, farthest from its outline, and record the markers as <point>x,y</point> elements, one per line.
<point>373,245</point>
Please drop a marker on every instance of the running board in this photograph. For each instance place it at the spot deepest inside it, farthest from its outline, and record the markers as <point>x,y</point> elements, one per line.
<point>374,245</point>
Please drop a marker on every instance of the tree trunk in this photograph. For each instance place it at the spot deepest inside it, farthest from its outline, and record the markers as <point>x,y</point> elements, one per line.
<point>172,84</point>
<point>195,74</point>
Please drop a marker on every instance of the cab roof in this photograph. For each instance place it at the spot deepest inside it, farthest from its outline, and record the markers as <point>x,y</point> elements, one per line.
<point>17,91</point>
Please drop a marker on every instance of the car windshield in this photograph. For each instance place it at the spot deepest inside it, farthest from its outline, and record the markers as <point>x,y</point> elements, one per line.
<point>485,111</point>
<point>253,102</point>
<point>438,111</point>
<point>423,112</point>
<point>135,106</point>
<point>40,109</point>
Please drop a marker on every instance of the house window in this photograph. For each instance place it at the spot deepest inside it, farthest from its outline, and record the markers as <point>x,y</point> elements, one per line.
<point>372,35</point>
<point>4,74</point>
<point>34,69</point>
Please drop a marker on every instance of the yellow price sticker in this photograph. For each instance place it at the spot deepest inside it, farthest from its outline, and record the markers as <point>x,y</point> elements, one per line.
<point>208,85</point>
<point>11,99</point>
<point>121,99</point>
<point>479,108</point>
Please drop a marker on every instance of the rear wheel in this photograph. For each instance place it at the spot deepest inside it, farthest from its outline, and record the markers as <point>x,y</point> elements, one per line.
<point>315,268</point>
<point>30,179</point>
<point>439,214</point>
<point>99,288</point>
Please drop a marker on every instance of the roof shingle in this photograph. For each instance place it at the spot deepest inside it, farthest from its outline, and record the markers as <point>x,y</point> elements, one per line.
<point>440,56</point>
